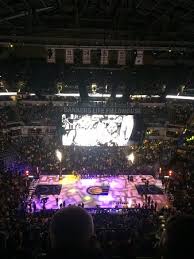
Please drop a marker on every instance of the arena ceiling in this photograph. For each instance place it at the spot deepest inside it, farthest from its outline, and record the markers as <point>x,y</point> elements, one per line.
<point>98,22</point>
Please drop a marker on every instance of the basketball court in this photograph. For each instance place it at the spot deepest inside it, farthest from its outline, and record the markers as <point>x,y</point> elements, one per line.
<point>106,192</point>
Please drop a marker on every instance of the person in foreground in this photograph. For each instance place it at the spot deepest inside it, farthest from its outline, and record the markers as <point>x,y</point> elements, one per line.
<point>177,242</point>
<point>72,234</point>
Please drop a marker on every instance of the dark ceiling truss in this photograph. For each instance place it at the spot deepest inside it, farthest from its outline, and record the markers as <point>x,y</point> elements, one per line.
<point>48,43</point>
<point>43,3</point>
<point>136,20</point>
<point>24,13</point>
<point>5,5</point>
<point>27,5</point>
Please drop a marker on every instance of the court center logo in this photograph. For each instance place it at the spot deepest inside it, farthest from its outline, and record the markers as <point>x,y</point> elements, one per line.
<point>98,190</point>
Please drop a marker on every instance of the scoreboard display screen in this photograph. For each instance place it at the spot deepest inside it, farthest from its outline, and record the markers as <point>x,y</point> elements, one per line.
<point>97,130</point>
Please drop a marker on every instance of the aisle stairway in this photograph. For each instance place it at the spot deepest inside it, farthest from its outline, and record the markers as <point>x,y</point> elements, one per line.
<point>33,186</point>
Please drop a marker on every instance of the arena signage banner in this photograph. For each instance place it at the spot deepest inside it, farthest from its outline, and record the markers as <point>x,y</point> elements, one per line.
<point>104,57</point>
<point>51,56</point>
<point>102,110</point>
<point>139,57</point>
<point>86,58</point>
<point>69,56</point>
<point>121,59</point>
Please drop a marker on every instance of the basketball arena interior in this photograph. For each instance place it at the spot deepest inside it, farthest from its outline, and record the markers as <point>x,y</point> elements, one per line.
<point>96,129</point>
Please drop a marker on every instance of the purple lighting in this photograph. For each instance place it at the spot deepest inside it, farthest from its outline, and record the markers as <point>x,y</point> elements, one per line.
<point>119,191</point>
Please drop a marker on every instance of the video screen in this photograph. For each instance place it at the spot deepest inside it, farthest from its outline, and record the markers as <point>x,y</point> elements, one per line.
<point>97,130</point>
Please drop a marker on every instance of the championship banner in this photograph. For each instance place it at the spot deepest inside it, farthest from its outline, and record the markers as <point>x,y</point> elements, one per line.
<point>69,56</point>
<point>51,57</point>
<point>121,58</point>
<point>139,58</point>
<point>86,56</point>
<point>104,57</point>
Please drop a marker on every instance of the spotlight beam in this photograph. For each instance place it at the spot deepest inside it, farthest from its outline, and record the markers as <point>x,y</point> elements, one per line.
<point>58,155</point>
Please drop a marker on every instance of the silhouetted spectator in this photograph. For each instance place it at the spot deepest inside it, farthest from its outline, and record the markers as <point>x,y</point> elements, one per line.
<point>177,241</point>
<point>57,201</point>
<point>34,206</point>
<point>71,232</point>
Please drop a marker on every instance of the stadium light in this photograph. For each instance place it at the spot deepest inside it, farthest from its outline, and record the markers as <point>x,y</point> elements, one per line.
<point>131,157</point>
<point>181,97</point>
<point>13,93</point>
<point>144,96</point>
<point>93,95</point>
<point>68,94</point>
<point>98,95</point>
<point>170,173</point>
<point>58,155</point>
<point>8,93</point>
<point>94,88</point>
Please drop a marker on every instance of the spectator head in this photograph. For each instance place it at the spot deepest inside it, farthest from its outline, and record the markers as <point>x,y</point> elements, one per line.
<point>2,240</point>
<point>71,228</point>
<point>177,241</point>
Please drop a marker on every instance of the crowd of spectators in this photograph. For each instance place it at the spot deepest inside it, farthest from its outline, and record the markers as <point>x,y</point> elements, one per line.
<point>47,113</point>
<point>151,115</point>
<point>97,158</point>
<point>44,114</point>
<point>156,150</point>
<point>3,117</point>
<point>179,113</point>
<point>72,233</point>
<point>39,151</point>
<point>36,151</point>
<point>13,194</point>
<point>127,233</point>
